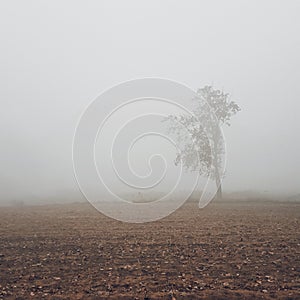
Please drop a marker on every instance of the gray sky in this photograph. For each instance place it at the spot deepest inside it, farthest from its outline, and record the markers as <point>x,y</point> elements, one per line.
<point>56,56</point>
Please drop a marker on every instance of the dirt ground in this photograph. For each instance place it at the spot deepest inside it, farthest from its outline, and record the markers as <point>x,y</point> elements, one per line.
<point>228,250</point>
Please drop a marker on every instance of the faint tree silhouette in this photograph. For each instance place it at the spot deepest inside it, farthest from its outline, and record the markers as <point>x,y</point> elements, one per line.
<point>204,153</point>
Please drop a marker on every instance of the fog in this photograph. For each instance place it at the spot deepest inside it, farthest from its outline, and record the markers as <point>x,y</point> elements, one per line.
<point>56,57</point>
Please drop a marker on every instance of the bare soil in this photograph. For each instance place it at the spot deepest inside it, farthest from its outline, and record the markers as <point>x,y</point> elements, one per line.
<point>228,250</point>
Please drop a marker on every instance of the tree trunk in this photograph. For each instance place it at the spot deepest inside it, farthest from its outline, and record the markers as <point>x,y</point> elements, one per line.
<point>219,185</point>
<point>216,138</point>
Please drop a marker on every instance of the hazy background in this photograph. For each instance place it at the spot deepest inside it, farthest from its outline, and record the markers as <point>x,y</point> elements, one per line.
<point>56,56</point>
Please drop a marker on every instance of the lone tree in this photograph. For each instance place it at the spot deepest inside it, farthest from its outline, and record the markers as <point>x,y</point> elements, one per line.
<point>202,150</point>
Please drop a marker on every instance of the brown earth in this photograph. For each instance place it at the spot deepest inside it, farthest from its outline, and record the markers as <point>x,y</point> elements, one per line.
<point>228,250</point>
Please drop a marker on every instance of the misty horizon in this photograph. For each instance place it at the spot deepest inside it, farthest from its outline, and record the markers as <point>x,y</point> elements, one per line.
<point>52,71</point>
